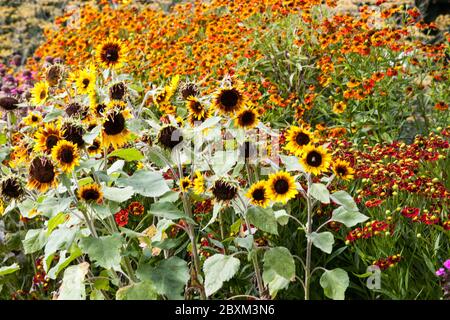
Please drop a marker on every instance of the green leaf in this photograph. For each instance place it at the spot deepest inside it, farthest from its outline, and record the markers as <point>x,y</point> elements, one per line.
<point>102,283</point>
<point>56,221</point>
<point>64,261</point>
<point>104,251</point>
<point>246,242</point>
<point>349,218</point>
<point>324,241</point>
<point>55,113</point>
<point>223,161</point>
<point>169,277</point>
<point>117,194</point>
<point>291,163</point>
<point>131,154</point>
<point>35,240</point>
<point>218,269</point>
<point>72,287</point>
<point>146,183</point>
<point>279,269</point>
<point>58,238</point>
<point>168,210</point>
<point>51,206</point>
<point>137,291</point>
<point>344,199</point>
<point>263,219</point>
<point>320,192</point>
<point>9,269</point>
<point>3,139</point>
<point>334,283</point>
<point>91,135</point>
<point>282,217</point>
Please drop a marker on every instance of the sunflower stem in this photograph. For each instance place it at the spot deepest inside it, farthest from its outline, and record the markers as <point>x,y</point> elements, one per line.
<point>9,127</point>
<point>308,241</point>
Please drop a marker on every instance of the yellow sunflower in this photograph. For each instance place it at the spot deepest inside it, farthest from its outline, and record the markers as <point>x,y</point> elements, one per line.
<point>115,131</point>
<point>258,194</point>
<point>199,183</point>
<point>95,148</point>
<point>247,118</point>
<point>42,174</point>
<point>185,184</point>
<point>111,53</point>
<point>91,193</point>
<point>66,155</point>
<point>33,119</point>
<point>39,93</point>
<point>343,170</point>
<point>228,100</point>
<point>315,160</point>
<point>84,81</point>
<point>297,138</point>
<point>281,187</point>
<point>47,137</point>
<point>196,109</point>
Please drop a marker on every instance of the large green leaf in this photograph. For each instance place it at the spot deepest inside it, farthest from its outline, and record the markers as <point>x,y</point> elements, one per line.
<point>324,241</point>
<point>35,240</point>
<point>137,291</point>
<point>279,269</point>
<point>223,161</point>
<point>349,218</point>
<point>263,219</point>
<point>59,238</point>
<point>320,192</point>
<point>291,163</point>
<point>72,287</point>
<point>146,183</point>
<point>218,269</point>
<point>168,210</point>
<point>104,251</point>
<point>334,283</point>
<point>64,261</point>
<point>117,194</point>
<point>131,154</point>
<point>91,135</point>
<point>344,199</point>
<point>9,269</point>
<point>169,277</point>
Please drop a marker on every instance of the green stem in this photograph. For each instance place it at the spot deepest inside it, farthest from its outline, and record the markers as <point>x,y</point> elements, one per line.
<point>308,243</point>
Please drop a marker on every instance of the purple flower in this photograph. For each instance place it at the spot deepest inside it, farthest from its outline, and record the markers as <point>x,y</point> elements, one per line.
<point>447,264</point>
<point>440,272</point>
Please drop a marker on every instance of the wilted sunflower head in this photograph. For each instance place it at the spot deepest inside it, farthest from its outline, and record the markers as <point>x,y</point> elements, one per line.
<point>73,132</point>
<point>111,54</point>
<point>117,91</point>
<point>315,160</point>
<point>11,188</point>
<point>8,103</point>
<point>75,109</point>
<point>228,100</point>
<point>39,93</point>
<point>343,170</point>
<point>42,174</point>
<point>224,190</point>
<point>247,118</point>
<point>297,138</point>
<point>169,137</point>
<point>47,137</point>
<point>54,74</point>
<point>281,187</point>
<point>258,194</point>
<point>189,89</point>
<point>115,130</point>
<point>91,193</point>
<point>66,155</point>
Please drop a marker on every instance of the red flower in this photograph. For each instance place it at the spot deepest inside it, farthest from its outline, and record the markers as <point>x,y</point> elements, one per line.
<point>136,208</point>
<point>121,218</point>
<point>410,212</point>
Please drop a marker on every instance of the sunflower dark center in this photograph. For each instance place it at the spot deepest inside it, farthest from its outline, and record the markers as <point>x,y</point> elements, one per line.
<point>247,118</point>
<point>11,188</point>
<point>259,194</point>
<point>34,118</point>
<point>281,186</point>
<point>42,170</point>
<point>342,171</point>
<point>117,91</point>
<point>196,107</point>
<point>224,191</point>
<point>85,83</point>
<point>95,146</point>
<point>110,53</point>
<point>100,108</point>
<point>51,141</point>
<point>90,195</point>
<point>302,139</point>
<point>8,103</point>
<point>74,134</point>
<point>73,109</point>
<point>229,99</point>
<point>66,155</point>
<point>314,159</point>
<point>169,137</point>
<point>43,94</point>
<point>189,89</point>
<point>115,124</point>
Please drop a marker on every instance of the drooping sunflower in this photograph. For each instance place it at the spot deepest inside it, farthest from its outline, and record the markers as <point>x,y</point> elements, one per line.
<point>91,193</point>
<point>169,137</point>
<point>189,89</point>
<point>228,100</point>
<point>281,187</point>
<point>224,190</point>
<point>185,184</point>
<point>33,119</point>
<point>111,54</point>
<point>73,132</point>
<point>198,183</point>
<point>54,74</point>
<point>47,137</point>
<point>8,103</point>
<point>247,118</point>
<point>258,194</point>
<point>315,160</point>
<point>115,131</point>
<point>66,155</point>
<point>39,93</point>
<point>85,81</point>
<point>343,170</point>
<point>117,91</point>
<point>75,109</point>
<point>42,174</point>
<point>297,139</point>
<point>11,188</point>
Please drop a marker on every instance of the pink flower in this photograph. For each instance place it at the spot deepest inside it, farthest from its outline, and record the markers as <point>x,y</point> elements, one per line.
<point>447,264</point>
<point>440,272</point>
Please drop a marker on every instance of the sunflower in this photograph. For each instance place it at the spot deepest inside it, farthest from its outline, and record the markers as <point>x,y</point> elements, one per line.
<point>189,89</point>
<point>85,81</point>
<point>228,100</point>
<point>247,118</point>
<point>90,193</point>
<point>39,93</point>
<point>2,207</point>
<point>116,105</point>
<point>54,74</point>
<point>315,160</point>
<point>115,130</point>
<point>258,194</point>
<point>98,109</point>
<point>117,91</point>
<point>281,187</point>
<point>343,170</point>
<point>185,184</point>
<point>297,138</point>
<point>75,109</point>
<point>224,190</point>
<point>8,104</point>
<point>196,109</point>
<point>198,184</point>
<point>111,53</point>
<point>47,137</point>
<point>66,155</point>
<point>33,119</point>
<point>73,132</point>
<point>169,137</point>
<point>42,174</point>
<point>95,148</point>
<point>11,188</point>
